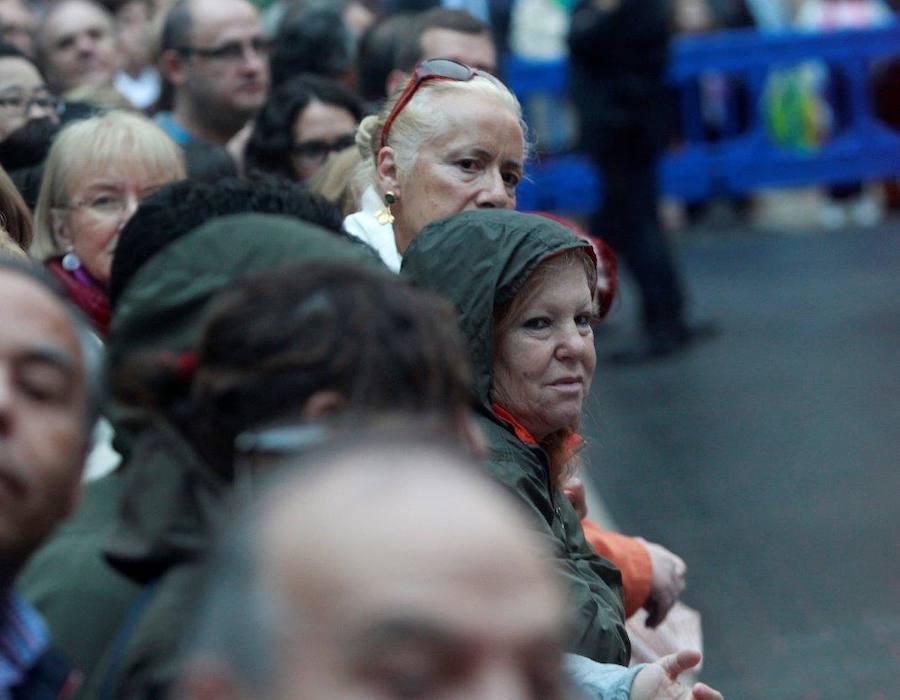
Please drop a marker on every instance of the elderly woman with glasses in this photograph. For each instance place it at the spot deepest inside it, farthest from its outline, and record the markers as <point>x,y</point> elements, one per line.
<point>96,175</point>
<point>302,123</point>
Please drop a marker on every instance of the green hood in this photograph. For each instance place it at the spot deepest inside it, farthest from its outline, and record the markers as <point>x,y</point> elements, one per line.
<point>170,496</point>
<point>163,306</point>
<point>479,260</point>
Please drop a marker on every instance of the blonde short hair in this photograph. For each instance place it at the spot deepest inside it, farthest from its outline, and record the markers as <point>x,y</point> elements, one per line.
<point>420,121</point>
<point>92,145</point>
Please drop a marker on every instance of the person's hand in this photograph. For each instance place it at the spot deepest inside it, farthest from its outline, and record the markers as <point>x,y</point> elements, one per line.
<point>574,490</point>
<point>659,680</point>
<point>667,583</point>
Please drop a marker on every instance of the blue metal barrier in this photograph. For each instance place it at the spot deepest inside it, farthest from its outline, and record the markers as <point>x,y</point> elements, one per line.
<point>744,157</point>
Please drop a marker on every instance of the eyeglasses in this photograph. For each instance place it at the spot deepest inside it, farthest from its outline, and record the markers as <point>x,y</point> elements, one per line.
<point>21,103</point>
<point>435,69</point>
<point>316,152</point>
<point>112,205</point>
<point>232,52</point>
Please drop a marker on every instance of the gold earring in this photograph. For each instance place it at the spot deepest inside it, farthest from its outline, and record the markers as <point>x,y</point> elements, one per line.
<point>384,215</point>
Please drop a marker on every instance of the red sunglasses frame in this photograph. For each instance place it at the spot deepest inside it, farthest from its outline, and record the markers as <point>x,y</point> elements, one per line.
<point>434,69</point>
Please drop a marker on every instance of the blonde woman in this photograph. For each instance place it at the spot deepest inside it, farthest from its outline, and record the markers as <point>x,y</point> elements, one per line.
<point>96,175</point>
<point>452,140</point>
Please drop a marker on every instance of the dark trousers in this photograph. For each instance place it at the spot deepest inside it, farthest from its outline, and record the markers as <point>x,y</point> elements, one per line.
<point>628,221</point>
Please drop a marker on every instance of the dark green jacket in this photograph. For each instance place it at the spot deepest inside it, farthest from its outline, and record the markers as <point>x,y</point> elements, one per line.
<point>479,260</point>
<point>164,503</point>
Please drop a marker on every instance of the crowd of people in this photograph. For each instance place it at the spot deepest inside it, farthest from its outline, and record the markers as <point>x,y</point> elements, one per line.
<point>290,394</point>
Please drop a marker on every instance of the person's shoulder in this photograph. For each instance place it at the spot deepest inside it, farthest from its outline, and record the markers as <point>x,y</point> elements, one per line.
<point>51,678</point>
<point>149,656</point>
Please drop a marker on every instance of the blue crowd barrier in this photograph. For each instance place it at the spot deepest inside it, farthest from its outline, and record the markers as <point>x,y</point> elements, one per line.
<point>744,157</point>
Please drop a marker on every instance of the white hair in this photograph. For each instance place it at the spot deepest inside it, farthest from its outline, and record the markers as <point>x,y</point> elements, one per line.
<point>421,121</point>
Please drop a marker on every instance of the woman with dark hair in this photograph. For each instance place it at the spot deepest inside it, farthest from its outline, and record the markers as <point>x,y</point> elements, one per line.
<point>303,122</point>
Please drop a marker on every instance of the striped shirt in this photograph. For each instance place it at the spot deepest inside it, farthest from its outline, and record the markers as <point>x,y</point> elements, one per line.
<point>23,639</point>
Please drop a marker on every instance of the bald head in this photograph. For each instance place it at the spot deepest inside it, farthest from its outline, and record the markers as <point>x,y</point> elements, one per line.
<point>398,568</point>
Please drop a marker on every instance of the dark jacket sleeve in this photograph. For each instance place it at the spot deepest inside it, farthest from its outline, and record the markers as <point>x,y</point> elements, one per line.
<point>594,585</point>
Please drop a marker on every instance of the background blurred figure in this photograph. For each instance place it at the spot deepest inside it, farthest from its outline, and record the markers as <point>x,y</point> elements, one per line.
<point>314,38</point>
<point>302,124</point>
<point>24,96</point>
<point>215,59</point>
<point>76,46</point>
<point>376,57</point>
<point>96,175</point>
<point>18,24</point>
<point>441,33</point>
<point>137,78</point>
<point>619,54</point>
<point>29,120</point>
<point>848,203</point>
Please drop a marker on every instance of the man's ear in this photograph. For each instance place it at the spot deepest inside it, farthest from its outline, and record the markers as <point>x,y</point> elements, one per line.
<point>173,67</point>
<point>395,79</point>
<point>386,171</point>
<point>323,404</point>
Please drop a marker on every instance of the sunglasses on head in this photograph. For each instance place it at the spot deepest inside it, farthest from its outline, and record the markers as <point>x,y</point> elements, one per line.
<point>435,69</point>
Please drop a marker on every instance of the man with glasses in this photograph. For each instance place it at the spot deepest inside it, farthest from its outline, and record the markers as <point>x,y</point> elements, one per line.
<point>24,96</point>
<point>214,58</point>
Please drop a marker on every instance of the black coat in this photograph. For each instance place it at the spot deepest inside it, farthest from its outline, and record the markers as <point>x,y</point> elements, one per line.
<point>618,68</point>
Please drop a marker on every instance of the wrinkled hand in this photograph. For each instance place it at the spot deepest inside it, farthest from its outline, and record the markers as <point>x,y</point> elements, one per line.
<point>667,584</point>
<point>659,680</point>
<point>574,490</point>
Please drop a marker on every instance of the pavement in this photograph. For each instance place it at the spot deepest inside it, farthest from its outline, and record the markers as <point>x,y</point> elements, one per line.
<point>769,459</point>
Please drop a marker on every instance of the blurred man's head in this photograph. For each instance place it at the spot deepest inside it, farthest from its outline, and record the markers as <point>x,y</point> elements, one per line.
<point>76,45</point>
<point>47,366</point>
<point>441,33</point>
<point>215,57</point>
<point>24,96</point>
<point>17,25</point>
<point>390,569</point>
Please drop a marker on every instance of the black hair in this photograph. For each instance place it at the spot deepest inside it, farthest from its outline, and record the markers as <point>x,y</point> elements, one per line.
<point>180,207</point>
<point>7,50</point>
<point>177,26</point>
<point>272,340</point>
<point>275,339</point>
<point>376,54</point>
<point>312,40</point>
<point>269,147</point>
<point>208,162</point>
<point>409,50</point>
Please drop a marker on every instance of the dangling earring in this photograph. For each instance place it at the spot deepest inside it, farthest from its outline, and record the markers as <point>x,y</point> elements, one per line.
<point>384,215</point>
<point>70,261</point>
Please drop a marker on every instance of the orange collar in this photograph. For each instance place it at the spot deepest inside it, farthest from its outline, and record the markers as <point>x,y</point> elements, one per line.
<point>571,445</point>
<point>520,430</point>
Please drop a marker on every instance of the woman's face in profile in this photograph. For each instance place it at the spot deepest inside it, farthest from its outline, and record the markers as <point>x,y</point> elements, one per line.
<point>477,161</point>
<point>319,131</point>
<point>545,359</point>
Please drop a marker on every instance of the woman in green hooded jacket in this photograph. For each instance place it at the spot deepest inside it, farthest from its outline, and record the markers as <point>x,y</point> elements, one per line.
<point>524,287</point>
